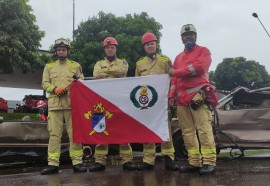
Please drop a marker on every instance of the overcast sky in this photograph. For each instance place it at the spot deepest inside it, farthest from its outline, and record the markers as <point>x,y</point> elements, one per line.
<point>226,27</point>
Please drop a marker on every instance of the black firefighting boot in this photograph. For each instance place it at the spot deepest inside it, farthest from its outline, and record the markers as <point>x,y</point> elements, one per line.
<point>129,166</point>
<point>79,168</point>
<point>97,167</point>
<point>170,164</point>
<point>189,168</point>
<point>50,169</point>
<point>145,166</point>
<point>207,169</point>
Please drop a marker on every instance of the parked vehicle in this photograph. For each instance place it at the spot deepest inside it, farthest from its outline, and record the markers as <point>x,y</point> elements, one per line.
<point>241,121</point>
<point>28,140</point>
<point>29,103</point>
<point>3,105</point>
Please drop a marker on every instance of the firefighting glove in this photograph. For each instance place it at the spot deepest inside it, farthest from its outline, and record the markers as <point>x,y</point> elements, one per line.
<point>59,91</point>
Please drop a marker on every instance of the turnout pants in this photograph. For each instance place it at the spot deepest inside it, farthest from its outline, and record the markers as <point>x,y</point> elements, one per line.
<point>199,120</point>
<point>55,128</point>
<point>167,148</point>
<point>101,152</point>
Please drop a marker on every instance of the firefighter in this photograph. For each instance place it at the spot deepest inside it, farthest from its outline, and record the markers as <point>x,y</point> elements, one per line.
<point>190,76</point>
<point>42,110</point>
<point>151,64</point>
<point>111,67</point>
<point>56,79</point>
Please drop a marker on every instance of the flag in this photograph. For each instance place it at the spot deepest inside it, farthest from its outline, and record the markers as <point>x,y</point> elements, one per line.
<point>120,110</point>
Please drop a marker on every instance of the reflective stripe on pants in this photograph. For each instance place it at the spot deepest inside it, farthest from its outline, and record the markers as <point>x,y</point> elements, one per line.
<point>101,152</point>
<point>167,148</point>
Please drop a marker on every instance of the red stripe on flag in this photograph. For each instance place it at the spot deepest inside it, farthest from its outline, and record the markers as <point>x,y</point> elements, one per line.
<point>120,127</point>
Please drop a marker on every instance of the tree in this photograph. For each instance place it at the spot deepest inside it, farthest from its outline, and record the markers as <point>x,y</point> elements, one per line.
<point>233,72</point>
<point>127,30</point>
<point>19,36</point>
<point>211,75</point>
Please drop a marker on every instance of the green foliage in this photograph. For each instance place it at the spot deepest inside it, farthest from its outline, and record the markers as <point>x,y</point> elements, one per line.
<point>211,75</point>
<point>19,36</point>
<point>127,30</point>
<point>233,72</point>
<point>18,116</point>
<point>45,58</point>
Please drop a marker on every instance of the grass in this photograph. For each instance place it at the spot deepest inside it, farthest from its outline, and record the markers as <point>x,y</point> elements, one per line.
<point>18,116</point>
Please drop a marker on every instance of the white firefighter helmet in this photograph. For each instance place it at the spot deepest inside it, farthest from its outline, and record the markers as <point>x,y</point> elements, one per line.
<point>188,28</point>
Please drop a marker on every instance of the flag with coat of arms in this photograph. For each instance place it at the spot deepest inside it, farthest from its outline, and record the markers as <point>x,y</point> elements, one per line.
<point>120,110</point>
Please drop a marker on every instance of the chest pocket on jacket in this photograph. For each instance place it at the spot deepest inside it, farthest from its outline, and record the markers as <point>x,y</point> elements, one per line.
<point>54,77</point>
<point>158,71</point>
<point>70,75</point>
<point>143,72</point>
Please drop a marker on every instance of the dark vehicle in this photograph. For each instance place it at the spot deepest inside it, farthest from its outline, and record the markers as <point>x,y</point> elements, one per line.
<point>29,103</point>
<point>3,105</point>
<point>26,141</point>
<point>241,121</point>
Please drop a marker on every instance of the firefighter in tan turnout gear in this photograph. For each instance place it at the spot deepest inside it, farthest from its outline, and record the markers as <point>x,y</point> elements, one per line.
<point>111,67</point>
<point>56,79</point>
<point>188,87</point>
<point>153,64</point>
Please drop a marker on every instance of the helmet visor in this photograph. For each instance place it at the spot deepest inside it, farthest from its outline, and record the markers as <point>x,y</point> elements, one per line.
<point>61,41</point>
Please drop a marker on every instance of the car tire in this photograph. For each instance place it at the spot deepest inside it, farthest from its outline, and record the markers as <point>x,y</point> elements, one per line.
<point>88,152</point>
<point>179,146</point>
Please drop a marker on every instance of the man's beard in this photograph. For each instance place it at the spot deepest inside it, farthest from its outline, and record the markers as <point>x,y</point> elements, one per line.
<point>62,58</point>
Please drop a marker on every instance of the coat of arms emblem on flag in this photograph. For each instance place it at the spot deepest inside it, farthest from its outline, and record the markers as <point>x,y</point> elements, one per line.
<point>143,101</point>
<point>98,119</point>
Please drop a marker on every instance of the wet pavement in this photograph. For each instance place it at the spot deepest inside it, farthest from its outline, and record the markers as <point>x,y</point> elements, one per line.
<point>245,171</point>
